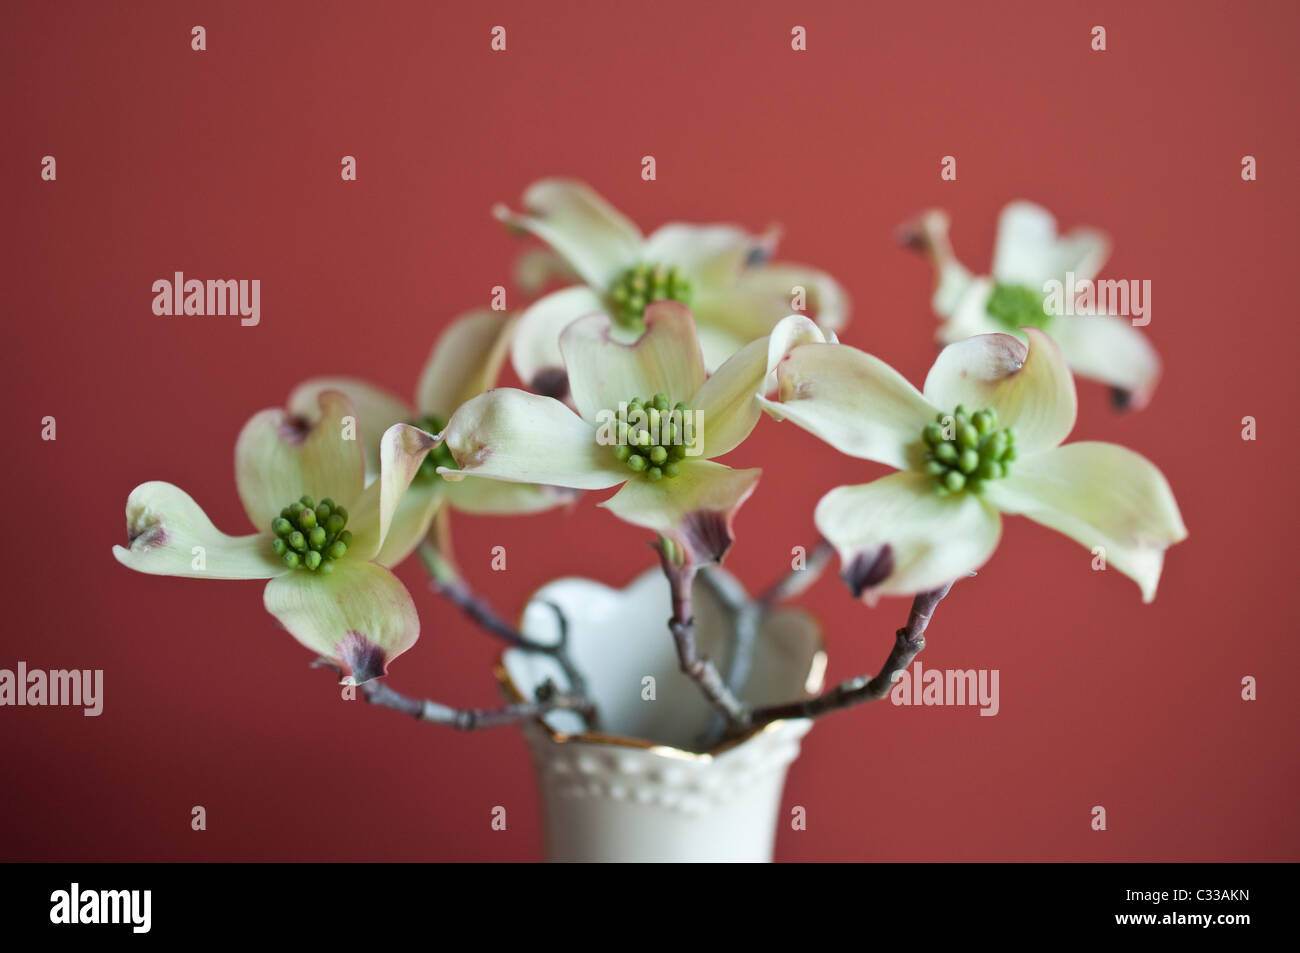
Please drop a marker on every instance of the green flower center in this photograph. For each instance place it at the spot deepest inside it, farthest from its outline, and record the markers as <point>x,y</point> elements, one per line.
<point>1016,306</point>
<point>311,535</point>
<point>439,456</point>
<point>652,436</point>
<point>642,284</point>
<point>965,451</point>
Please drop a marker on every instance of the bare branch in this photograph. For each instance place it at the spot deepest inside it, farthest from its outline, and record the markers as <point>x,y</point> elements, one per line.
<point>468,719</point>
<point>908,642</point>
<point>447,582</point>
<point>682,626</point>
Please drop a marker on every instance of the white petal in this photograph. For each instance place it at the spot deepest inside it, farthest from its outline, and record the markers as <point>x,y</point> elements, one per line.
<point>169,535</point>
<point>695,509</point>
<point>536,268</point>
<point>464,362</point>
<point>535,346</point>
<point>751,306</point>
<point>1029,252</point>
<point>708,254</point>
<point>280,457</point>
<point>970,315</point>
<point>855,402</point>
<point>1099,494</point>
<point>665,359</point>
<point>1110,349</point>
<point>592,235</point>
<point>717,344</point>
<point>728,401</point>
<point>897,537</point>
<point>376,410</point>
<point>929,233</point>
<point>401,451</point>
<point>360,615</point>
<point>412,519</point>
<point>499,498</point>
<point>1031,388</point>
<point>508,434</point>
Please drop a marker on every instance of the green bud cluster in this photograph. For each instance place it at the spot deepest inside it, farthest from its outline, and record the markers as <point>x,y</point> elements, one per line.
<point>1016,306</point>
<point>310,535</point>
<point>643,284</point>
<point>965,451</point>
<point>439,456</point>
<point>655,446</point>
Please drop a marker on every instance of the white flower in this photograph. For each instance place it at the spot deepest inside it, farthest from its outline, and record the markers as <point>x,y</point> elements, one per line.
<point>322,533</point>
<point>465,361</point>
<point>984,438</point>
<point>670,484</point>
<point>720,271</point>
<point>1029,253</point>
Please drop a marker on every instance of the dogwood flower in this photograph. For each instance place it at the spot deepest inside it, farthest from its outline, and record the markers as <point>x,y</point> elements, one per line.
<point>648,418</point>
<point>320,533</point>
<point>984,438</point>
<point>465,361</point>
<point>717,270</point>
<point>1027,255</point>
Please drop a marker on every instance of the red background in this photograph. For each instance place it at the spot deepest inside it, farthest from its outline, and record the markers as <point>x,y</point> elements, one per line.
<point>225,163</point>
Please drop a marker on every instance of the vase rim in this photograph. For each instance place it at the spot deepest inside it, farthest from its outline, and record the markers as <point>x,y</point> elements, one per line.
<point>641,744</point>
<point>813,680</point>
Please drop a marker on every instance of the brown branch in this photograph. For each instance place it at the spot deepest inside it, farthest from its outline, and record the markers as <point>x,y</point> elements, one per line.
<point>682,626</point>
<point>447,582</point>
<point>908,643</point>
<point>469,719</point>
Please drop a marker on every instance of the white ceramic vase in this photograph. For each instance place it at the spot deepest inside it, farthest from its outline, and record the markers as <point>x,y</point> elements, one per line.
<point>639,786</point>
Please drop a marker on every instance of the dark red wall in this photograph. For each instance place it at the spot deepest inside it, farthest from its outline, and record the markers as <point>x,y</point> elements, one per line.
<point>226,163</point>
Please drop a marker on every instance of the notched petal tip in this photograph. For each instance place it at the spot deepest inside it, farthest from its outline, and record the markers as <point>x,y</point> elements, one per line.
<point>707,535</point>
<point>868,568</point>
<point>294,430</point>
<point>921,233</point>
<point>144,528</point>
<point>362,659</point>
<point>550,382</point>
<point>469,449</point>
<point>502,213</point>
<point>910,237</point>
<point>1123,400</point>
<point>413,440</point>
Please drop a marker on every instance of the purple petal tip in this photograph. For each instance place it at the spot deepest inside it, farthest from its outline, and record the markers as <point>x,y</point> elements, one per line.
<point>868,568</point>
<point>362,658</point>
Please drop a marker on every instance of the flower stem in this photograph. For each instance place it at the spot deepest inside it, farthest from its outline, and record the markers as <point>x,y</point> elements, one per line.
<point>470,719</point>
<point>908,643</point>
<point>448,582</point>
<point>682,626</point>
<point>746,618</point>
